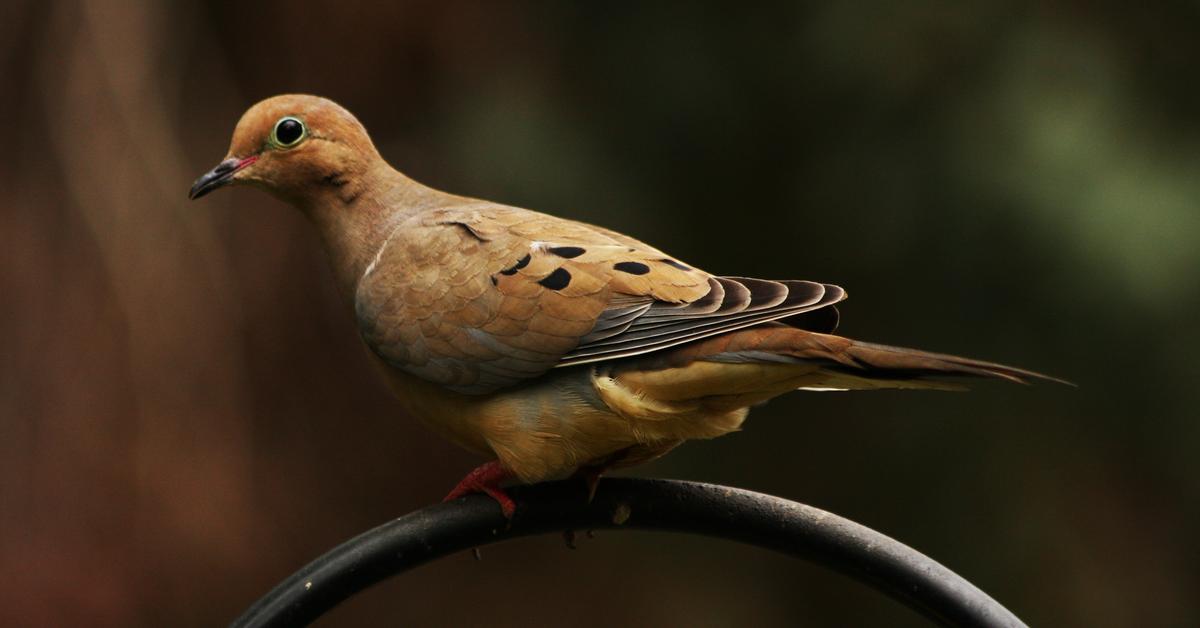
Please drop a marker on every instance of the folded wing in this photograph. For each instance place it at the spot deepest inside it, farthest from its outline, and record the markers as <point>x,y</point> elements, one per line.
<point>479,297</point>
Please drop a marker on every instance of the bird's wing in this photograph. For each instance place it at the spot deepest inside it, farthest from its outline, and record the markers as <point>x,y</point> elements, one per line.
<point>479,297</point>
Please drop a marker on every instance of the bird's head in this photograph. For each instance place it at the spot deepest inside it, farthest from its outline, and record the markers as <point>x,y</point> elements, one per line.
<point>297,147</point>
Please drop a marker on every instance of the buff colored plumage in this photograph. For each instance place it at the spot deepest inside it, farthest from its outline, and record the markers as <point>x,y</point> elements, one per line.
<point>552,346</point>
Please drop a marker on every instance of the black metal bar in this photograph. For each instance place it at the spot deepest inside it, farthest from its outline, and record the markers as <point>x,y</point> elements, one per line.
<point>665,505</point>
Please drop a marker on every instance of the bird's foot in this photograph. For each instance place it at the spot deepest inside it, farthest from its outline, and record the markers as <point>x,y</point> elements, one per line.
<point>486,478</point>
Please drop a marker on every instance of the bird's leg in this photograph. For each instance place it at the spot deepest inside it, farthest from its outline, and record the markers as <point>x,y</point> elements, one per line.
<point>591,476</point>
<point>486,478</point>
<point>592,472</point>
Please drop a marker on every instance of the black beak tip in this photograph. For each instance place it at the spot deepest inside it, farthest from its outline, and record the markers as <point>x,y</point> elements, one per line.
<point>215,178</point>
<point>198,190</point>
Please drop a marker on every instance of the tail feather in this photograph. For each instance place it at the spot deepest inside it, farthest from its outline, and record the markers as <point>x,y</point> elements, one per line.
<point>771,359</point>
<point>704,388</point>
<point>885,362</point>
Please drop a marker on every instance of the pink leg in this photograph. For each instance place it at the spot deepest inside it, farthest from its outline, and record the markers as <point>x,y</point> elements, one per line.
<point>486,478</point>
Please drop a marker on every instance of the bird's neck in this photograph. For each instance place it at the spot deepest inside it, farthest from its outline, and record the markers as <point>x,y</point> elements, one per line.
<point>355,217</point>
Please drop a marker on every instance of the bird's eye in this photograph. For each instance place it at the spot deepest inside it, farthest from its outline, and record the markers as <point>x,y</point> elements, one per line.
<point>288,132</point>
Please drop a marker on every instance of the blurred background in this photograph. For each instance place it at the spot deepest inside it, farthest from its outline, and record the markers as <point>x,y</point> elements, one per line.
<point>187,414</point>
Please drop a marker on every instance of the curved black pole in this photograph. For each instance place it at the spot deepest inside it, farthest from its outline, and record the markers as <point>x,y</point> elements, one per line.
<point>665,505</point>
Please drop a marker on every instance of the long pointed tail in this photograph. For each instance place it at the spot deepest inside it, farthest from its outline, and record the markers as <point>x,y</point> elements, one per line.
<point>882,363</point>
<point>764,361</point>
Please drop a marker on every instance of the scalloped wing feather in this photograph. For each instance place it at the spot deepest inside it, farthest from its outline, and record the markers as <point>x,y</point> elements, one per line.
<point>481,296</point>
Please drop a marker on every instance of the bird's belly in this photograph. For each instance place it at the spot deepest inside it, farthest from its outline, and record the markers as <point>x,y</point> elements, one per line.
<point>450,415</point>
<point>542,430</point>
<point>564,420</point>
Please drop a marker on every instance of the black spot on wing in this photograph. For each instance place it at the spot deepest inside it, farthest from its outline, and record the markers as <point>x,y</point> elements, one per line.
<point>568,252</point>
<point>556,280</point>
<point>670,262</point>
<point>633,268</point>
<point>521,263</point>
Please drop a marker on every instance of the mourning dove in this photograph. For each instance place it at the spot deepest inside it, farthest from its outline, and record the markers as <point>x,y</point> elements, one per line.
<point>551,346</point>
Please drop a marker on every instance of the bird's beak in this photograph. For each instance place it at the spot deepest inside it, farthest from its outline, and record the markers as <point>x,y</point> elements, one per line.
<point>221,175</point>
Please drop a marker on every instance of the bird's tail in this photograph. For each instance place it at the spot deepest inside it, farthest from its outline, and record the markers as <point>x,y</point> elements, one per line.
<point>742,368</point>
<point>868,365</point>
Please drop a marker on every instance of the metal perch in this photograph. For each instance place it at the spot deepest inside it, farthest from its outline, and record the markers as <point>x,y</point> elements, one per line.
<point>662,505</point>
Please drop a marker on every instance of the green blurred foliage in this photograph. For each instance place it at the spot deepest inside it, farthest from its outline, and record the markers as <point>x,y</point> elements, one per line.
<point>186,414</point>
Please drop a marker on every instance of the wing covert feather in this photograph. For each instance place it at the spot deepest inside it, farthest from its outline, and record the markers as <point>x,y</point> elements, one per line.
<point>481,296</point>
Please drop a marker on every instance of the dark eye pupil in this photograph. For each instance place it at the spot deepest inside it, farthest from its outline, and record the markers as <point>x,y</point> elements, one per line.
<point>288,131</point>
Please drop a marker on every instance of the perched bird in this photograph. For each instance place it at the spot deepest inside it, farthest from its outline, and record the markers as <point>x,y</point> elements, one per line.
<point>551,346</point>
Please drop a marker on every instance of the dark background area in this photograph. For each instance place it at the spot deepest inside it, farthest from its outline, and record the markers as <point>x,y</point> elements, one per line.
<point>187,414</point>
